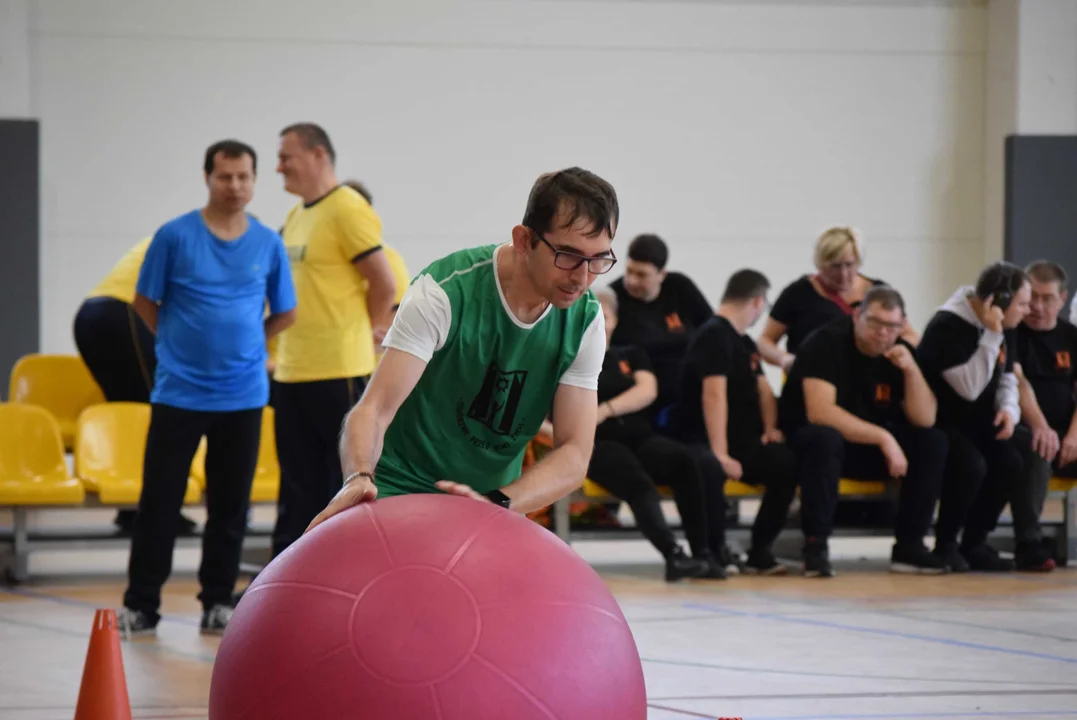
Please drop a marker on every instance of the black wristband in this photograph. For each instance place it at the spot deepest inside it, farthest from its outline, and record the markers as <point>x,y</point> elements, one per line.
<point>499,498</point>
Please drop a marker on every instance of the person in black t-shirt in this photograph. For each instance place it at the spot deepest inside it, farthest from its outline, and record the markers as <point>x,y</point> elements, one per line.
<point>629,459</point>
<point>967,356</point>
<point>812,301</point>
<point>1046,349</point>
<point>658,312</point>
<point>727,414</point>
<point>856,404</point>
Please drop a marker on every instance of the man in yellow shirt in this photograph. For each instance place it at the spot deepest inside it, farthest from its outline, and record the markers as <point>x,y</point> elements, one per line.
<point>345,290</point>
<point>396,260</point>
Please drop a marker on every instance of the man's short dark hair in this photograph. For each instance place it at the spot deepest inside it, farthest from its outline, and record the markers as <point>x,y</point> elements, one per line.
<point>312,136</point>
<point>578,194</point>
<point>1001,276</point>
<point>1045,271</point>
<point>230,149</point>
<point>361,189</point>
<point>744,285</point>
<point>885,297</point>
<point>649,248</point>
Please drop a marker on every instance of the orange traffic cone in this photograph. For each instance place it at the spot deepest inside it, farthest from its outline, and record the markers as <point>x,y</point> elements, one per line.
<point>103,694</point>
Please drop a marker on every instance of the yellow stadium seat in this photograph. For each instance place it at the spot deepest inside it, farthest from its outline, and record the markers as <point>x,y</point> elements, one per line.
<point>266,486</point>
<point>1061,485</point>
<point>33,470</point>
<point>61,384</point>
<point>110,444</point>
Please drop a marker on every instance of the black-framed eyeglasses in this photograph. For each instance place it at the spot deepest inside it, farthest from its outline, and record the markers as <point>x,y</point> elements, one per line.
<point>564,260</point>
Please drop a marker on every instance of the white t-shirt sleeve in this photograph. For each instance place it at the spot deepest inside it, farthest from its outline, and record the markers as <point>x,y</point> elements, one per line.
<point>585,369</point>
<point>423,320</point>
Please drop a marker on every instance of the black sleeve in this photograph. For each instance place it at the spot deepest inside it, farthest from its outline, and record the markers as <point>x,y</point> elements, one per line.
<point>691,299</point>
<point>638,359</point>
<point>785,307</point>
<point>710,355</point>
<point>948,341</point>
<point>818,358</point>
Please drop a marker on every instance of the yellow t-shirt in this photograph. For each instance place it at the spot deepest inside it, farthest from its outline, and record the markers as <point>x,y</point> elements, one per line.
<point>400,272</point>
<point>332,335</point>
<point>121,281</point>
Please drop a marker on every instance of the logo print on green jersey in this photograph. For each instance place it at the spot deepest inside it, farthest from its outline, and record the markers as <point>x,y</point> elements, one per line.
<point>496,404</point>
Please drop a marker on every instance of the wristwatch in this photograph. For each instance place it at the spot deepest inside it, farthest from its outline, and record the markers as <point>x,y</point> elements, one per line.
<point>499,498</point>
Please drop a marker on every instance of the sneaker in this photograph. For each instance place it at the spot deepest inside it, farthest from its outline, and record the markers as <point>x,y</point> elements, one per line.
<point>680,566</point>
<point>133,624</point>
<point>1033,558</point>
<point>761,561</point>
<point>215,620</point>
<point>915,559</point>
<point>715,570</point>
<point>728,560</point>
<point>817,559</point>
<point>984,558</point>
<point>951,557</point>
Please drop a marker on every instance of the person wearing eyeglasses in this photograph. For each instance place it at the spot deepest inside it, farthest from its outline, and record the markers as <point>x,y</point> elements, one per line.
<point>812,301</point>
<point>486,342</point>
<point>856,405</point>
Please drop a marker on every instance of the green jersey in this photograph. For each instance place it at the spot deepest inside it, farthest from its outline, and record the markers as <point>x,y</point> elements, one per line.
<point>489,381</point>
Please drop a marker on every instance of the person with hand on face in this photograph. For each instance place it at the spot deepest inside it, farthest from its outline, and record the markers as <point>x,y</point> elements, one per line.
<point>486,342</point>
<point>967,354</point>
<point>857,405</point>
<point>727,414</point>
<point>1046,349</point>
<point>346,293</point>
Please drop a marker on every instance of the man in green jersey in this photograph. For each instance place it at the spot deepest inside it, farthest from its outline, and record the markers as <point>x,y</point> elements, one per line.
<point>486,343</point>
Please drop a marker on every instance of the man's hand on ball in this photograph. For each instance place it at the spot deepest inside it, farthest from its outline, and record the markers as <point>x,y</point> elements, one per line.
<point>359,490</point>
<point>453,488</point>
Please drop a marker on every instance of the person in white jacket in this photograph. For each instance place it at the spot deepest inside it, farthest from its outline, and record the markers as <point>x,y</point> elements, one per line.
<point>967,356</point>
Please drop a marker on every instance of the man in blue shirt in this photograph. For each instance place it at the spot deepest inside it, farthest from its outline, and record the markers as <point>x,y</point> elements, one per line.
<point>203,289</point>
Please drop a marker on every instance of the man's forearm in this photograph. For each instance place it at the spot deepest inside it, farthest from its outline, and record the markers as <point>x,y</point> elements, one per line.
<point>380,299</point>
<point>561,471</point>
<point>277,323</point>
<point>1030,408</point>
<point>920,403</point>
<point>147,310</point>
<point>716,420</point>
<point>361,441</point>
<point>768,407</point>
<point>852,428</point>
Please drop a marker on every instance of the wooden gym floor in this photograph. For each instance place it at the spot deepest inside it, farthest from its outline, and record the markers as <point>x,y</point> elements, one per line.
<point>863,645</point>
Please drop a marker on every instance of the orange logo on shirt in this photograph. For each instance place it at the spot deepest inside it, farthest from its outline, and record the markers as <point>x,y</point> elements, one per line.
<point>1062,360</point>
<point>626,369</point>
<point>755,362</point>
<point>1002,354</point>
<point>882,393</point>
<point>673,322</point>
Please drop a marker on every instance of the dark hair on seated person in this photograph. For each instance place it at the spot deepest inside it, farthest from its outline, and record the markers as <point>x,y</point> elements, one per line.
<point>744,285</point>
<point>649,248</point>
<point>885,297</point>
<point>1045,271</point>
<point>1001,276</point>
<point>230,149</point>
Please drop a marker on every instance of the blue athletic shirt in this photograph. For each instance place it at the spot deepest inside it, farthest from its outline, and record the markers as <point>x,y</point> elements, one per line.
<point>212,293</point>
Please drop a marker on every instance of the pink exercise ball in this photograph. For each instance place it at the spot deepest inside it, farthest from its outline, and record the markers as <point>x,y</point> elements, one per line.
<point>428,606</point>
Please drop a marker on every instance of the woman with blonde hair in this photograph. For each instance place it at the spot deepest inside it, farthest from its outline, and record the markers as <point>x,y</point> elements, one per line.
<point>812,301</point>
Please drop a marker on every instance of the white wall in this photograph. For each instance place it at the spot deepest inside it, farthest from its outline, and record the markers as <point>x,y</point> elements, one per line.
<point>736,131</point>
<point>15,59</point>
